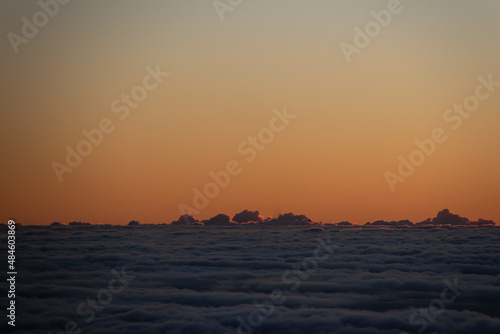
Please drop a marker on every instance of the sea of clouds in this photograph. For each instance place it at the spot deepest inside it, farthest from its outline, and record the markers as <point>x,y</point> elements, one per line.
<point>212,279</point>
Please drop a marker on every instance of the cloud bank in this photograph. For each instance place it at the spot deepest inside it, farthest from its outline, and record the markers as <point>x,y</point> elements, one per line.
<point>202,280</point>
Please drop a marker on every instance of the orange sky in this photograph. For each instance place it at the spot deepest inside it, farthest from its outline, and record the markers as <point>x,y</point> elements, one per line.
<point>353,120</point>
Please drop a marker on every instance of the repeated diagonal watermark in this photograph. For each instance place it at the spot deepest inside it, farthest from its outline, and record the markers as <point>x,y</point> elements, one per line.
<point>300,271</point>
<point>372,29</point>
<point>121,106</point>
<point>225,6</point>
<point>30,27</point>
<point>423,317</point>
<point>87,310</point>
<point>248,148</point>
<point>454,117</point>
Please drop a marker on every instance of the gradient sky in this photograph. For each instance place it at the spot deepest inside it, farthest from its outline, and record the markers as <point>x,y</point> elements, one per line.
<point>353,120</point>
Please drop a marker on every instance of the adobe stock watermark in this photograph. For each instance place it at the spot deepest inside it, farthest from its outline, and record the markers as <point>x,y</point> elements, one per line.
<point>120,106</point>
<point>223,6</point>
<point>454,116</point>
<point>299,272</point>
<point>373,28</point>
<point>30,27</point>
<point>437,306</point>
<point>248,148</point>
<point>87,310</point>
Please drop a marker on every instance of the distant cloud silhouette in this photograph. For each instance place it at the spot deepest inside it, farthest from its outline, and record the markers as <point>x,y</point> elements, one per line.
<point>186,220</point>
<point>445,217</point>
<point>134,223</point>
<point>247,216</point>
<point>290,219</point>
<point>483,222</point>
<point>344,223</point>
<point>220,220</point>
<point>393,223</point>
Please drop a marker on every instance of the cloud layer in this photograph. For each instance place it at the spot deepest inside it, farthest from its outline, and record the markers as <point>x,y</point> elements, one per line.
<point>201,280</point>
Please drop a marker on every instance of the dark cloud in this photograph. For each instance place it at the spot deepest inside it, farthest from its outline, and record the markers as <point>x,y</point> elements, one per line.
<point>483,222</point>
<point>134,223</point>
<point>219,220</point>
<point>289,219</point>
<point>391,223</point>
<point>343,223</point>
<point>186,220</point>
<point>445,217</point>
<point>247,216</point>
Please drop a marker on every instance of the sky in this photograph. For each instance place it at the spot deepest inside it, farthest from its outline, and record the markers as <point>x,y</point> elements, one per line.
<point>210,74</point>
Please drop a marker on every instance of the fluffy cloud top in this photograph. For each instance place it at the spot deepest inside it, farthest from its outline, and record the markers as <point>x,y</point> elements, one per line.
<point>202,280</point>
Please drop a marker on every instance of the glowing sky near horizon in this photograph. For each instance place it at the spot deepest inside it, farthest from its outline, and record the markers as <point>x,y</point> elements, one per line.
<point>353,120</point>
